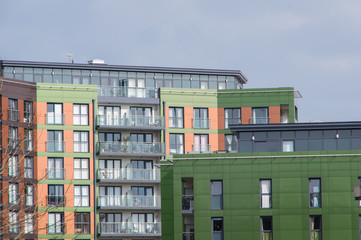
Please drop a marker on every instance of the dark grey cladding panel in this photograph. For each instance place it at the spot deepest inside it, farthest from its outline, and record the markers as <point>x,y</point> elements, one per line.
<point>129,100</point>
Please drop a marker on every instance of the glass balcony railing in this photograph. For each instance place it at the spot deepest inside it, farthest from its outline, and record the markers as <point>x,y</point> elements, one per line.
<point>127,92</point>
<point>129,174</point>
<point>131,121</point>
<point>56,200</point>
<point>56,173</point>
<point>55,119</point>
<point>259,120</point>
<point>129,201</point>
<point>201,123</point>
<point>201,148</point>
<point>13,115</point>
<point>131,147</point>
<point>188,236</point>
<point>55,146</point>
<point>187,203</point>
<point>119,228</point>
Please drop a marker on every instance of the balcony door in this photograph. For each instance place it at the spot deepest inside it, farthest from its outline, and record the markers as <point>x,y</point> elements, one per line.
<point>200,143</point>
<point>143,222</point>
<point>142,169</point>
<point>110,169</point>
<point>140,116</point>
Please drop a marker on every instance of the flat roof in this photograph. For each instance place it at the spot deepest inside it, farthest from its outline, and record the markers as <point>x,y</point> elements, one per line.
<point>295,126</point>
<point>105,67</point>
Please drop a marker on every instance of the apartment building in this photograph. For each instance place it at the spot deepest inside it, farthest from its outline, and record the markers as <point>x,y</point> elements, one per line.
<point>102,132</point>
<point>290,181</point>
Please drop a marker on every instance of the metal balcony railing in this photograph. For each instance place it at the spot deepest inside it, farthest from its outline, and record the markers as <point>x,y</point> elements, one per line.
<point>201,148</point>
<point>127,92</point>
<point>131,147</point>
<point>56,173</point>
<point>131,121</point>
<point>129,174</point>
<point>56,200</point>
<point>201,123</point>
<point>135,201</point>
<point>188,203</point>
<point>55,119</point>
<point>13,115</point>
<point>188,235</point>
<point>129,228</point>
<point>55,146</point>
<point>259,120</point>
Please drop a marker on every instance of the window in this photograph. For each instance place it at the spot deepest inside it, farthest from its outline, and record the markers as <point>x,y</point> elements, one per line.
<point>29,223</point>
<point>14,224</point>
<point>56,195</point>
<point>142,169</point>
<point>143,142</point>
<point>315,228</point>
<point>217,194</point>
<point>200,118</point>
<point>29,195</point>
<point>81,168</point>
<point>260,116</point>
<point>201,143</point>
<point>217,228</point>
<point>13,110</point>
<point>231,143</point>
<point>110,196</point>
<point>55,141</point>
<point>266,228</point>
<point>55,168</point>
<point>232,116</point>
<point>13,166</point>
<point>81,196</point>
<point>287,146</point>
<point>142,196</point>
<point>109,137</point>
<point>176,117</point>
<point>28,167</point>
<point>266,193</point>
<point>56,223</point>
<point>176,143</point>
<point>55,114</point>
<point>109,169</point>
<point>28,112</point>
<point>140,116</point>
<point>144,222</point>
<point>81,141</point>
<point>110,223</point>
<point>14,196</point>
<point>80,114</point>
<point>13,137</point>
<point>108,115</point>
<point>82,223</point>
<point>28,141</point>
<point>315,192</point>
<point>111,142</point>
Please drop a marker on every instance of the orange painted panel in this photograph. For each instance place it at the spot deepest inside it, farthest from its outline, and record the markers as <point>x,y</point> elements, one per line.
<point>220,114</point>
<point>275,114</point>
<point>214,118</point>
<point>40,141</point>
<point>188,117</point>
<point>188,142</point>
<point>68,113</point>
<point>246,115</point>
<point>69,140</point>
<point>40,113</point>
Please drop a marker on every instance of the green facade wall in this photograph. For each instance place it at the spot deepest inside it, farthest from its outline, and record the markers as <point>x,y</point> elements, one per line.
<point>241,194</point>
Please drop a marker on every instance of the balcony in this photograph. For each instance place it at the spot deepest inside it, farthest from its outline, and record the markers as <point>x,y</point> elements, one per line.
<point>187,204</point>
<point>129,229</point>
<point>55,119</point>
<point>55,146</point>
<point>57,228</point>
<point>128,175</point>
<point>202,148</point>
<point>131,148</point>
<point>131,122</point>
<point>259,120</point>
<point>56,173</point>
<point>13,115</point>
<point>56,200</point>
<point>127,92</point>
<point>201,123</point>
<point>188,236</point>
<point>128,202</point>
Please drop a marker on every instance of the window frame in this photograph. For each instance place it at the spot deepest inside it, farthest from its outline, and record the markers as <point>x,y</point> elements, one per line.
<point>314,203</point>
<point>54,118</point>
<point>263,204</point>
<point>28,167</point>
<point>213,231</point>
<point>214,195</point>
<point>312,217</point>
<point>81,146</point>
<point>14,224</point>
<point>80,198</point>
<point>174,120</point>
<point>176,143</point>
<point>82,170</point>
<point>233,147</point>
<point>262,230</point>
<point>82,223</point>
<point>28,111</point>
<point>79,116</point>
<point>13,110</point>
<point>231,120</point>
<point>55,142</point>
<point>56,222</point>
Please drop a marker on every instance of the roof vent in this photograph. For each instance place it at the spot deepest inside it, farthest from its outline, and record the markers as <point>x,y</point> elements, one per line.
<point>96,61</point>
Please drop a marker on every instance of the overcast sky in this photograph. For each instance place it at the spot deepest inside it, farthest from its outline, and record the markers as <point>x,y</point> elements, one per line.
<point>311,45</point>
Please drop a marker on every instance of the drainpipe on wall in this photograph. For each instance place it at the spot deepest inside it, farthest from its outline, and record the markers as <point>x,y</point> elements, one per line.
<point>94,174</point>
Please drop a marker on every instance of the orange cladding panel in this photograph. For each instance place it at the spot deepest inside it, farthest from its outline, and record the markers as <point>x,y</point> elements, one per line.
<point>275,114</point>
<point>246,115</point>
<point>188,117</point>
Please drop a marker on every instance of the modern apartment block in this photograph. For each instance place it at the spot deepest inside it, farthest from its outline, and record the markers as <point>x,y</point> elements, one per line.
<point>290,181</point>
<point>101,133</point>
